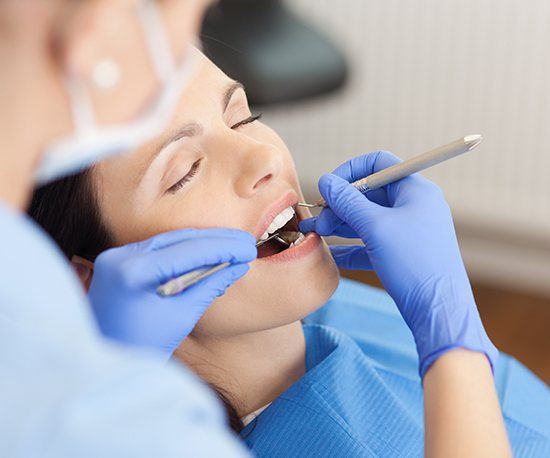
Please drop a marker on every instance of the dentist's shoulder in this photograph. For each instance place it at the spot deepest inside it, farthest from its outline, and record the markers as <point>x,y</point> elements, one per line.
<point>72,393</point>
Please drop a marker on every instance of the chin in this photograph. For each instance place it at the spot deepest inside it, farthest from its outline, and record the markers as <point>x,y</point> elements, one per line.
<point>274,293</point>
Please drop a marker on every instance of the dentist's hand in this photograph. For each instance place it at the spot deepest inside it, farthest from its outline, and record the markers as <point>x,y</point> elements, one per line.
<point>123,289</point>
<point>410,242</point>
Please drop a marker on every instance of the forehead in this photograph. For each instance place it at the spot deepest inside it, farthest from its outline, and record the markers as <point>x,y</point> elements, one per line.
<point>204,91</point>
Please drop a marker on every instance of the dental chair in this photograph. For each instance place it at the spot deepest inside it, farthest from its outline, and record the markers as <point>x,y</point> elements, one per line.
<point>276,55</point>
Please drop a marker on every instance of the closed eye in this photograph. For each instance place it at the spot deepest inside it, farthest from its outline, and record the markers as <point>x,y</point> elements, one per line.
<point>192,172</point>
<point>248,120</point>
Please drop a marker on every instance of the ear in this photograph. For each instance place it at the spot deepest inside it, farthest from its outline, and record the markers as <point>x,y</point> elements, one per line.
<point>84,269</point>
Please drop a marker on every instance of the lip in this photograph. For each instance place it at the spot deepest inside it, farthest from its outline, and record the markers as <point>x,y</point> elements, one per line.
<point>288,200</point>
<point>310,244</point>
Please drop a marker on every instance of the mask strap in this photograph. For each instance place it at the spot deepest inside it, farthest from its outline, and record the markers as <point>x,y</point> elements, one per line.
<point>159,52</point>
<point>81,107</point>
<point>157,39</point>
<point>89,142</point>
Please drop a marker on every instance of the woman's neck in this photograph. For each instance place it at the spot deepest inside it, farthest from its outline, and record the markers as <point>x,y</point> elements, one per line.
<point>251,369</point>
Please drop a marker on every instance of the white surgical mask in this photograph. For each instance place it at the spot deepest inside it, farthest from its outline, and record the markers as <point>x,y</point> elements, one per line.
<point>91,143</point>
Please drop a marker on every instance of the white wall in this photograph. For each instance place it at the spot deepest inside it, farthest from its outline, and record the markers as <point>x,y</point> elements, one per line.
<point>426,72</point>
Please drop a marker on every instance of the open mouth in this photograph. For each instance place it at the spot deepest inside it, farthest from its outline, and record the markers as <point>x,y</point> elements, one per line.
<point>285,225</point>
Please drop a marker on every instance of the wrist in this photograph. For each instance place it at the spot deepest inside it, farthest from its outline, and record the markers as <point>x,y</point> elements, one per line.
<point>458,361</point>
<point>447,327</point>
<point>488,355</point>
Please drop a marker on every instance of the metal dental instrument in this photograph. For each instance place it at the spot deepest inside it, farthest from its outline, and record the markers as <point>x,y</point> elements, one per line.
<point>181,283</point>
<point>410,166</point>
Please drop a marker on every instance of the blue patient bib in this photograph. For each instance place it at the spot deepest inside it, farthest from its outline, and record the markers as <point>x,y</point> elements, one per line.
<point>362,396</point>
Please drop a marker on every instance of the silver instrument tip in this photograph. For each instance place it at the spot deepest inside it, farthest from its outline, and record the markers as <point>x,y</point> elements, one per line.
<point>282,241</point>
<point>273,236</point>
<point>305,204</point>
<point>472,141</point>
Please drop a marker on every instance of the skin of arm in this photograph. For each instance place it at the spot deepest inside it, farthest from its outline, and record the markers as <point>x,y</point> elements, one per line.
<point>462,414</point>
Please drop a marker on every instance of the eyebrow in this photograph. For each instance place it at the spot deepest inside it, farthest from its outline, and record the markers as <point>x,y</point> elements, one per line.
<point>229,93</point>
<point>191,129</point>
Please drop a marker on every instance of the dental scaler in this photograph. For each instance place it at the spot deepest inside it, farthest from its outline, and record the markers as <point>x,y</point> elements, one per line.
<point>416,164</point>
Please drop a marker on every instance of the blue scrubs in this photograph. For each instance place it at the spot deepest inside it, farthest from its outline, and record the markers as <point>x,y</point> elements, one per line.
<point>362,396</point>
<point>65,391</point>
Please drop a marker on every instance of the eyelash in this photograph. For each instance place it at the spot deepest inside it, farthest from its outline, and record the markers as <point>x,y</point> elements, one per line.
<point>248,120</point>
<point>195,167</point>
<point>176,187</point>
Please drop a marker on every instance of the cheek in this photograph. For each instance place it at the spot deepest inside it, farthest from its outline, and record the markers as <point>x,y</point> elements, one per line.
<point>194,211</point>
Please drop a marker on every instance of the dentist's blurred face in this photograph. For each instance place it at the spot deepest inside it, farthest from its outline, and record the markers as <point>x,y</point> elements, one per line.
<point>117,34</point>
<point>216,166</point>
<point>42,41</point>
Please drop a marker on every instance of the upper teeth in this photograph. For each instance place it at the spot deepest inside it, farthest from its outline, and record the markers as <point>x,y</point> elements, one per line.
<point>278,222</point>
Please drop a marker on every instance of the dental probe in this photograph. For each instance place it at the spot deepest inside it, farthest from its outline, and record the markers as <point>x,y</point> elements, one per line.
<point>181,283</point>
<point>410,166</point>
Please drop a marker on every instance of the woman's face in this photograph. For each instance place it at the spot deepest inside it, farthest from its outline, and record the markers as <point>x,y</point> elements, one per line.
<point>215,166</point>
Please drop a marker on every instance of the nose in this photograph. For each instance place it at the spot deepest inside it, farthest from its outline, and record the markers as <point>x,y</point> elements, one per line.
<point>259,165</point>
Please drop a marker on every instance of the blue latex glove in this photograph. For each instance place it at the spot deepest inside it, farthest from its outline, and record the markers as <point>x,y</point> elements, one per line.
<point>410,242</point>
<point>123,289</point>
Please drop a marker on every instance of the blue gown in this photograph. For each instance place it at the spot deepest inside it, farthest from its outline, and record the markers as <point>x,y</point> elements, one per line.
<point>362,396</point>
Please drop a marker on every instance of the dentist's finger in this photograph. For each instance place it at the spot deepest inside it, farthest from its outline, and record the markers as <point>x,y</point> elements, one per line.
<point>162,265</point>
<point>348,203</point>
<point>365,165</point>
<point>327,223</point>
<point>190,305</point>
<point>167,239</point>
<point>351,257</point>
<point>308,225</point>
<point>362,166</point>
<point>208,289</point>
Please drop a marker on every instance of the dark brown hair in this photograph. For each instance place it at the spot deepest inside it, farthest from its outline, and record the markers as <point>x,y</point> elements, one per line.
<point>68,210</point>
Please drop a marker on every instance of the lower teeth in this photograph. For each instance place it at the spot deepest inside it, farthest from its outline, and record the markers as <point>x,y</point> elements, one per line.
<point>292,238</point>
<point>300,239</point>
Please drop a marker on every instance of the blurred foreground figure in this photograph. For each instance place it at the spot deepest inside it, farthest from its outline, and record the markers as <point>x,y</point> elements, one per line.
<point>77,77</point>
